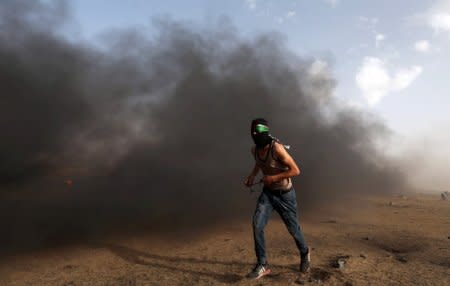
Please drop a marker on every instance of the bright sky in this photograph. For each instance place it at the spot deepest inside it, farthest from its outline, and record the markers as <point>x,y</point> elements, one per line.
<point>390,57</point>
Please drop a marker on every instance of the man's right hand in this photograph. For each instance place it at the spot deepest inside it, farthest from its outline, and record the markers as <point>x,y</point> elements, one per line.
<point>249,181</point>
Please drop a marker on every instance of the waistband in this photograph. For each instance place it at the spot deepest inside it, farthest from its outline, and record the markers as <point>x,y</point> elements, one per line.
<point>278,191</point>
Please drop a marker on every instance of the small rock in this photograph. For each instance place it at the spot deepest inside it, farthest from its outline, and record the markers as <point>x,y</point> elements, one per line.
<point>366,238</point>
<point>69,267</point>
<point>341,261</point>
<point>402,259</point>
<point>391,203</point>
<point>363,255</point>
<point>444,196</point>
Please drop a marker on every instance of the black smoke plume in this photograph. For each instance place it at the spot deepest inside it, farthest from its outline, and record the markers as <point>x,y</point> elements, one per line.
<point>153,133</point>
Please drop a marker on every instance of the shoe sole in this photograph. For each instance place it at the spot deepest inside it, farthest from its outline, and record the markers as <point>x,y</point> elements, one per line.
<point>306,271</point>
<point>266,272</point>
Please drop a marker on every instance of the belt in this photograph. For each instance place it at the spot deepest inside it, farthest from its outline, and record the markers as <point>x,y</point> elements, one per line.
<point>279,192</point>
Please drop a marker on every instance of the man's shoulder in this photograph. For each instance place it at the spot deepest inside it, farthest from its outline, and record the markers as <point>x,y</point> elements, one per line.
<point>279,150</point>
<point>277,146</point>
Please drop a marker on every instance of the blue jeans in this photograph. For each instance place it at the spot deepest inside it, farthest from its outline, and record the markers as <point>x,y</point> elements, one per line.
<point>286,206</point>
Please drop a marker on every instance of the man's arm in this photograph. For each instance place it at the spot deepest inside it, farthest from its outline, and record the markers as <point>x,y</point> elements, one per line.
<point>251,178</point>
<point>286,159</point>
<point>254,171</point>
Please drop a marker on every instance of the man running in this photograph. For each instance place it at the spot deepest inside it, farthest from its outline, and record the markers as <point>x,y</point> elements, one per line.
<point>278,194</point>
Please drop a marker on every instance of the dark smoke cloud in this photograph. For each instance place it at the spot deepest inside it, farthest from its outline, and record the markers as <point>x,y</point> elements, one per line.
<point>154,132</point>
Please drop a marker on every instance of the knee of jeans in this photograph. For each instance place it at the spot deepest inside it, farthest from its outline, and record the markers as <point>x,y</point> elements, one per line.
<point>258,222</point>
<point>292,228</point>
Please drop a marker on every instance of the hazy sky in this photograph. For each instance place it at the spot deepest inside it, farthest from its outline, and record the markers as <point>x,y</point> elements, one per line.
<point>388,56</point>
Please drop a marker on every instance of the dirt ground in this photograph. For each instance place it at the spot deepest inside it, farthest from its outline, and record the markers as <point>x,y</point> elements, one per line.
<point>390,240</point>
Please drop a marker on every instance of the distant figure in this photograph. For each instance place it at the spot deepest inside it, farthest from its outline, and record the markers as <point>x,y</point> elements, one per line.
<point>278,194</point>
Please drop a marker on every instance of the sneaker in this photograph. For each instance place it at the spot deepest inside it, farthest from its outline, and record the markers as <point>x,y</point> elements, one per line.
<point>305,263</point>
<point>259,271</point>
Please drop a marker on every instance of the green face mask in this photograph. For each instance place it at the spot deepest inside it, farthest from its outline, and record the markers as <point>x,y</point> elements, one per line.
<point>260,128</point>
<point>260,135</point>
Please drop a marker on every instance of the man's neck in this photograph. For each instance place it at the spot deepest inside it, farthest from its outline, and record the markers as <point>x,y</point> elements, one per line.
<point>264,149</point>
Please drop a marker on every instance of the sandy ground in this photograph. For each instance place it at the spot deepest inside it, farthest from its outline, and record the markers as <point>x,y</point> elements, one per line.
<point>390,240</point>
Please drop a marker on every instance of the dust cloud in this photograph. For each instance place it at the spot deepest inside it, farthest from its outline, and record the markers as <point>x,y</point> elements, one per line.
<point>152,132</point>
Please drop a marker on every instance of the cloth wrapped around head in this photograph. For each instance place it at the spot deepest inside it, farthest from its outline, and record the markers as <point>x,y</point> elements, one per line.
<point>260,132</point>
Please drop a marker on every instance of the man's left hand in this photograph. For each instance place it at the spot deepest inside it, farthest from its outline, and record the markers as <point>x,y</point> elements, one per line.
<point>268,180</point>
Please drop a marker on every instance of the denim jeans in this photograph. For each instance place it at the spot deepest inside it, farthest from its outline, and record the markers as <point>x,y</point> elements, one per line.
<point>286,206</point>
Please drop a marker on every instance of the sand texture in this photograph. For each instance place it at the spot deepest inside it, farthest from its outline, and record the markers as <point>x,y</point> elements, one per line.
<point>390,240</point>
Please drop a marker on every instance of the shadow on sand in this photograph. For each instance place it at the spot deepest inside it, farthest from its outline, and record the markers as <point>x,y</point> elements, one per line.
<point>172,263</point>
